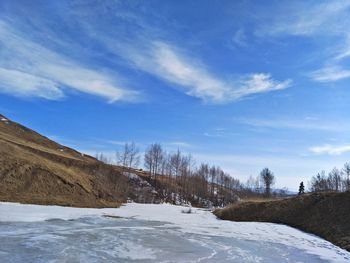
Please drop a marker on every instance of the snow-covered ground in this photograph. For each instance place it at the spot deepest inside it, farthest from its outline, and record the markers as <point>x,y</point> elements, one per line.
<point>150,233</point>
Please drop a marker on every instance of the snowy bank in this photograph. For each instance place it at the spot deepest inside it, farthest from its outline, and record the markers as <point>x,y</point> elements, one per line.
<point>200,222</point>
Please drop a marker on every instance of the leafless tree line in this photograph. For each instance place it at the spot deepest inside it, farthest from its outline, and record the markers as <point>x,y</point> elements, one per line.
<point>178,179</point>
<point>337,180</point>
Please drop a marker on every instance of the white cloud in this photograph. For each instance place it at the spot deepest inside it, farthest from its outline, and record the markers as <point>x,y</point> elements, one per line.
<point>259,83</point>
<point>331,149</point>
<point>29,69</point>
<point>168,63</point>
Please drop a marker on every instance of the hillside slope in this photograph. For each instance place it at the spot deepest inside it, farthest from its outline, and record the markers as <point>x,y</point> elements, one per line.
<point>34,169</point>
<point>324,214</point>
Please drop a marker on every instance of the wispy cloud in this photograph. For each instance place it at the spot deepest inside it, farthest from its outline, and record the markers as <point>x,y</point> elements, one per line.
<point>240,38</point>
<point>113,142</point>
<point>30,69</point>
<point>331,149</point>
<point>137,43</point>
<point>322,19</point>
<point>334,68</point>
<point>331,73</point>
<point>220,133</point>
<point>259,83</point>
<point>308,18</point>
<point>307,123</point>
<point>178,144</point>
<point>169,63</point>
<point>22,84</point>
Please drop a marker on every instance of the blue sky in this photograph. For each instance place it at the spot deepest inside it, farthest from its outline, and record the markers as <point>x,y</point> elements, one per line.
<point>240,84</point>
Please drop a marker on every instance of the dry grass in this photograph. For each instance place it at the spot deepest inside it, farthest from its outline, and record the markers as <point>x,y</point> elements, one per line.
<point>323,214</point>
<point>260,199</point>
<point>34,169</point>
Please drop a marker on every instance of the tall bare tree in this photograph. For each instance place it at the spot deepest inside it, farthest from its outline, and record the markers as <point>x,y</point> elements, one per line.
<point>153,160</point>
<point>212,174</point>
<point>175,164</point>
<point>268,179</point>
<point>346,171</point>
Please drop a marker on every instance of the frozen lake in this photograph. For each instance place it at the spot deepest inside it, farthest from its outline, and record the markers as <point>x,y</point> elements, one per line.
<point>149,233</point>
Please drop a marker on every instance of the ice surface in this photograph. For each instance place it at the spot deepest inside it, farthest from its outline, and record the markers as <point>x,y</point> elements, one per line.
<point>150,233</point>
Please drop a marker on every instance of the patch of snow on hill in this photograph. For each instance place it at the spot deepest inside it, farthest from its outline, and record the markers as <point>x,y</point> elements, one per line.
<point>4,120</point>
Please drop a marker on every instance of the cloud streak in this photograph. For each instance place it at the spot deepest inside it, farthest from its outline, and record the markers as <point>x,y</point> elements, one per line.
<point>331,73</point>
<point>295,124</point>
<point>330,149</point>
<point>305,19</point>
<point>31,70</point>
<point>46,73</point>
<point>22,84</point>
<point>168,63</point>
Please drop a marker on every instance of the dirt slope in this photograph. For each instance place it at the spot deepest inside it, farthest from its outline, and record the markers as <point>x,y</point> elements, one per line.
<point>324,214</point>
<point>34,169</point>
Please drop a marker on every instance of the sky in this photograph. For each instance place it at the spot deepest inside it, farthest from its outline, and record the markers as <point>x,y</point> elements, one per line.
<point>239,84</point>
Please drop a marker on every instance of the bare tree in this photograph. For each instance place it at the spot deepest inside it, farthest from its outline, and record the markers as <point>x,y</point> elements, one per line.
<point>268,179</point>
<point>203,173</point>
<point>101,157</point>
<point>346,171</point>
<point>187,169</point>
<point>129,156</point>
<point>335,179</point>
<point>319,183</point>
<point>175,164</point>
<point>253,186</point>
<point>153,160</point>
<point>251,183</point>
<point>212,174</point>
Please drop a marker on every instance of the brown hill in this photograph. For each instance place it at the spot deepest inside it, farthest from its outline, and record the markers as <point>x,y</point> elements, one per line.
<point>324,214</point>
<point>34,169</point>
